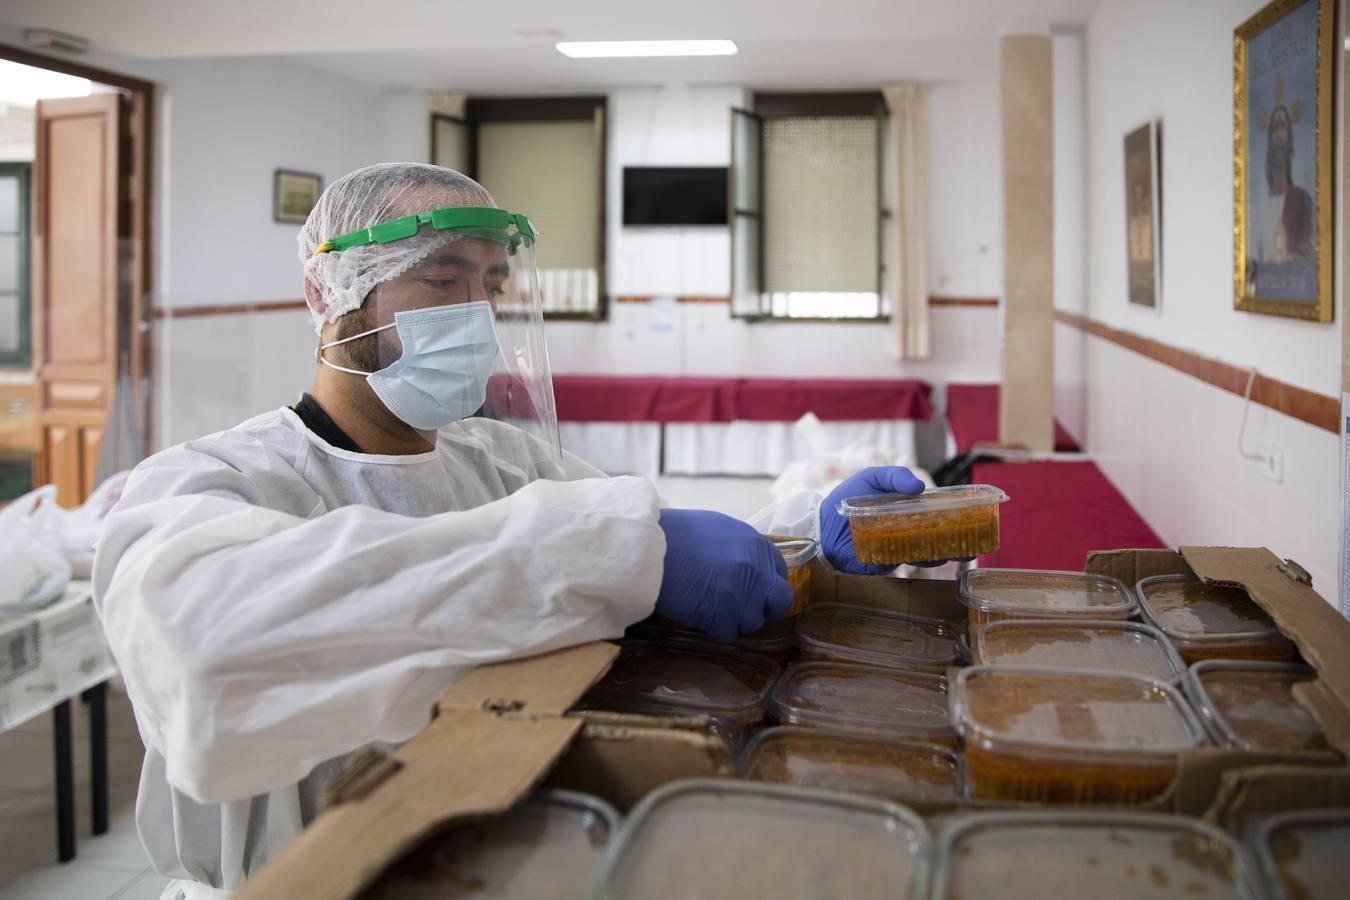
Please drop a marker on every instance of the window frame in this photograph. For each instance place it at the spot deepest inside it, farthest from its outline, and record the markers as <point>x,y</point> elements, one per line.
<point>592,108</point>
<point>23,357</point>
<point>779,105</point>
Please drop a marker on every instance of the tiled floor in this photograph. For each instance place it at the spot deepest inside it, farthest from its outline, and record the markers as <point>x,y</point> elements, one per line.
<point>112,865</point>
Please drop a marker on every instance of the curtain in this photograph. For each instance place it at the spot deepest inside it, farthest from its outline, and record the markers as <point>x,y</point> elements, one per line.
<point>906,281</point>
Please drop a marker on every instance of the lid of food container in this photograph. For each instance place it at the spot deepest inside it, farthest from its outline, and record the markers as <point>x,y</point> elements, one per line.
<point>849,696</point>
<point>1126,647</point>
<point>1055,713</point>
<point>1045,594</point>
<point>1037,854</point>
<point>1189,610</point>
<point>1302,853</point>
<point>877,638</point>
<point>931,500</point>
<point>1251,705</point>
<point>797,551</point>
<point>547,846</point>
<point>854,762</point>
<point>730,839</point>
<point>649,676</point>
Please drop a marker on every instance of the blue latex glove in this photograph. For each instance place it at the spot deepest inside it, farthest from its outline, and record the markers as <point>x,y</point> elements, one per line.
<point>721,576</point>
<point>836,539</point>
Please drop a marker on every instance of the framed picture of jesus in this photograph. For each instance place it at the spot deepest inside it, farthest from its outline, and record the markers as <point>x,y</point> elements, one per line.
<point>1283,145</point>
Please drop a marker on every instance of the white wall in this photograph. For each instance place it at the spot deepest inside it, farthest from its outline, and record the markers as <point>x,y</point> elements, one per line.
<point>1174,62</point>
<point>223,126</point>
<point>690,125</point>
<point>226,125</point>
<point>1167,440</point>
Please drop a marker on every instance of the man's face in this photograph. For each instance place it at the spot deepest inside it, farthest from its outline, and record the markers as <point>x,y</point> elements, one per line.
<point>466,270</point>
<point>1279,131</point>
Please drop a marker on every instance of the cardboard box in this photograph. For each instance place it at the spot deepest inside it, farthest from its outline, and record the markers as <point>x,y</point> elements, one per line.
<point>503,730</point>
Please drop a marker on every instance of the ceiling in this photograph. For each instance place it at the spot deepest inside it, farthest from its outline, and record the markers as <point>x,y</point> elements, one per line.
<point>475,45</point>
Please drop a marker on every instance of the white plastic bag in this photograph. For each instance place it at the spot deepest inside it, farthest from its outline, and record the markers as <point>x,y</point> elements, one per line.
<point>33,568</point>
<point>827,466</point>
<point>79,528</point>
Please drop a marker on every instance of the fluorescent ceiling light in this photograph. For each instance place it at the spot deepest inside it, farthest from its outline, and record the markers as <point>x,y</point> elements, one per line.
<point>26,85</point>
<point>598,49</point>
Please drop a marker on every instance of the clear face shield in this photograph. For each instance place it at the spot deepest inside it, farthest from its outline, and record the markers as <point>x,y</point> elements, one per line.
<point>458,334</point>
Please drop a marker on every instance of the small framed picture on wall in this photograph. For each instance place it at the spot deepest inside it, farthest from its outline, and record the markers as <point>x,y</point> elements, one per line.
<point>1283,145</point>
<point>1143,216</point>
<point>294,195</point>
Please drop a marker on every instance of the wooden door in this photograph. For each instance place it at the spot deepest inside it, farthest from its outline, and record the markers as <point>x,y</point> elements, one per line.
<point>80,282</point>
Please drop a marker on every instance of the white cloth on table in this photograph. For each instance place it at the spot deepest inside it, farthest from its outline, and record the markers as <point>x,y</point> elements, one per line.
<point>619,448</point>
<point>51,655</point>
<point>767,448</point>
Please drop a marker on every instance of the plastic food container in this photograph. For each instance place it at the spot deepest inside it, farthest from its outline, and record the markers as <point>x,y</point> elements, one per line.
<point>1070,737</point>
<point>908,771</point>
<point>839,633</point>
<point>1251,706</point>
<point>848,697</point>
<point>1303,855</point>
<point>797,553</point>
<point>1127,648</point>
<point>940,523</point>
<point>545,848</point>
<point>669,679</point>
<point>1105,856</point>
<point>1209,621</point>
<point>993,595</point>
<point>715,839</point>
<point>776,640</point>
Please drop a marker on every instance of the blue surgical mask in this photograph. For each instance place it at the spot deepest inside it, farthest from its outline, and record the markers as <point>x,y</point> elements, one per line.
<point>449,353</point>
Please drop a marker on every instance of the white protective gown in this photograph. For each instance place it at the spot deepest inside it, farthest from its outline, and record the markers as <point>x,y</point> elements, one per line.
<point>276,603</point>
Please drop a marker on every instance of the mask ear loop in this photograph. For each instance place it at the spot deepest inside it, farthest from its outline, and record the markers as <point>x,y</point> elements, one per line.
<point>318,351</point>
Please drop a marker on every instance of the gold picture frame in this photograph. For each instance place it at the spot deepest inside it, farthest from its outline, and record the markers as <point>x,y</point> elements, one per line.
<point>294,195</point>
<point>1283,58</point>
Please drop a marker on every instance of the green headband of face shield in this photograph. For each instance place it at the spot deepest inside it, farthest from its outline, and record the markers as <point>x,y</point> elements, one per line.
<point>480,221</point>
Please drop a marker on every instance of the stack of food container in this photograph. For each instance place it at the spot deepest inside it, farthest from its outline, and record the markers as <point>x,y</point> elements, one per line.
<point>1063,698</point>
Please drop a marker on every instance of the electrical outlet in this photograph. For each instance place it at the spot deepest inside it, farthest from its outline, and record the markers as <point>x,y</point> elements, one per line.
<point>1272,462</point>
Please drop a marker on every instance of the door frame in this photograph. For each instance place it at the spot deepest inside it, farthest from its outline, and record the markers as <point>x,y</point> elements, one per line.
<point>142,127</point>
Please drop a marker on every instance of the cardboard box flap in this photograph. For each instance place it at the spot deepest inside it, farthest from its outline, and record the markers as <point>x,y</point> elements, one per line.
<point>1321,633</point>
<point>477,757</point>
<point>1200,773</point>
<point>1246,796</point>
<point>542,685</point>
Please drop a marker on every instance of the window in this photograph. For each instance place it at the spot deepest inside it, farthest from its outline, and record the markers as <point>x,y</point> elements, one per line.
<point>14,249</point>
<point>807,220</point>
<point>544,157</point>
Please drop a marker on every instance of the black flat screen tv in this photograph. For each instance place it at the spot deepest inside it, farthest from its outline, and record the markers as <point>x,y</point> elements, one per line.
<point>675,196</point>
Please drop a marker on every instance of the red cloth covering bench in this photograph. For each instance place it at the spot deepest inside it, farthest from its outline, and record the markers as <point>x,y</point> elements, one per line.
<point>606,398</point>
<point>1059,512</point>
<point>972,416</point>
<point>610,398</point>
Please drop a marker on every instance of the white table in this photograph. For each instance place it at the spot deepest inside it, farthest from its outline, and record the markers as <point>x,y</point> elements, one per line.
<point>47,658</point>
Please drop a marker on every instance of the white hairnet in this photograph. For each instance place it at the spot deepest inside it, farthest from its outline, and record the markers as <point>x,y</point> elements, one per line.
<point>337,282</point>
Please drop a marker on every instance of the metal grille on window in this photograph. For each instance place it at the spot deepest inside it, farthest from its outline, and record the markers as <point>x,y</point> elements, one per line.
<point>820,217</point>
<point>551,171</point>
<point>12,320</point>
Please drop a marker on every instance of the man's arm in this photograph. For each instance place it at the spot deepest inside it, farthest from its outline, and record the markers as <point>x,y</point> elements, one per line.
<point>256,643</point>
